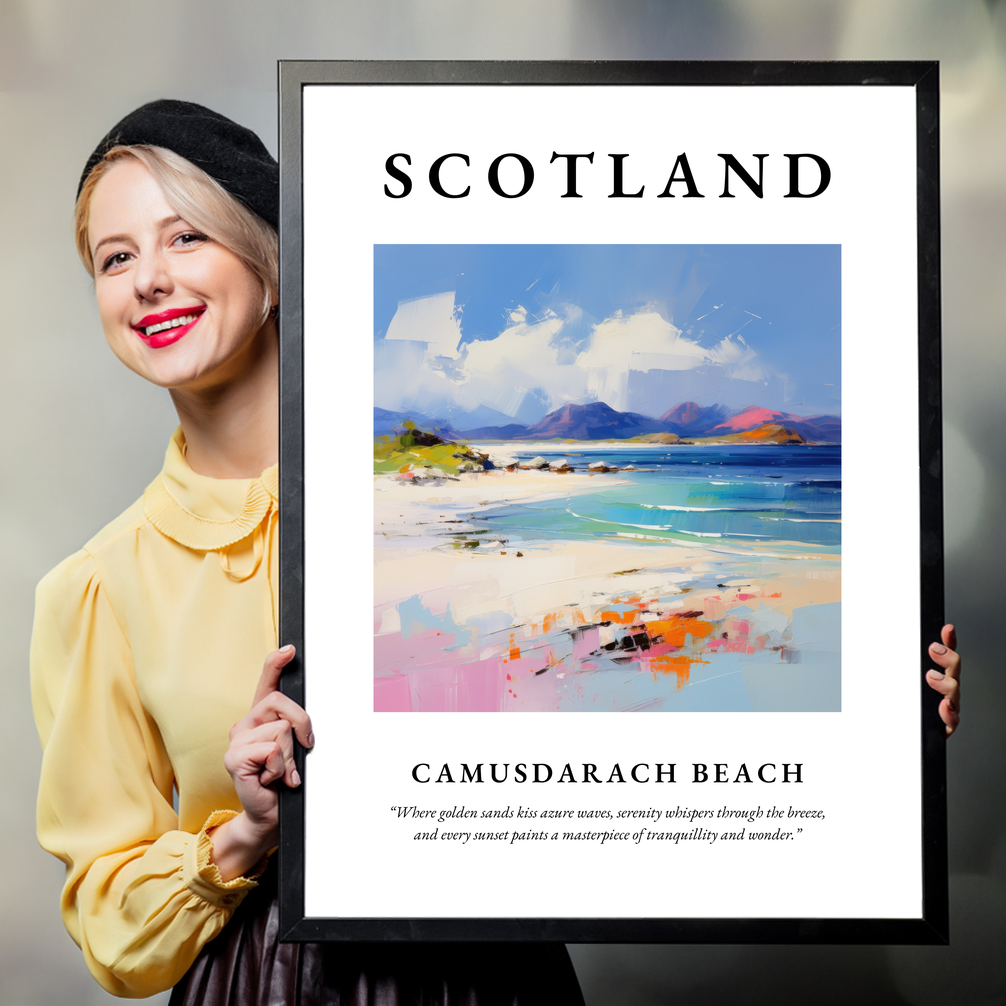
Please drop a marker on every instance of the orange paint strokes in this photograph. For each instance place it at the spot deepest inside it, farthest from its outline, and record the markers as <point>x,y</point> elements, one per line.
<point>549,622</point>
<point>619,617</point>
<point>674,663</point>
<point>622,617</point>
<point>676,628</point>
<point>514,649</point>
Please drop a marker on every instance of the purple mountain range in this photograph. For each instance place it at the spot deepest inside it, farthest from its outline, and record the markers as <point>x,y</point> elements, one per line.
<point>597,421</point>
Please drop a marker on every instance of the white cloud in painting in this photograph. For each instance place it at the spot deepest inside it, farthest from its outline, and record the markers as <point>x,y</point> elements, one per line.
<point>534,365</point>
<point>645,341</point>
<point>642,341</point>
<point>522,361</point>
<point>433,320</point>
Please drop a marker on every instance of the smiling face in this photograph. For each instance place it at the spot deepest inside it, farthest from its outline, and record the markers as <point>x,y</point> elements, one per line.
<point>177,307</point>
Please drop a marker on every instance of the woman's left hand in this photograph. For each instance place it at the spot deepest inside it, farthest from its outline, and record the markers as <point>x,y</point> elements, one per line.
<point>948,681</point>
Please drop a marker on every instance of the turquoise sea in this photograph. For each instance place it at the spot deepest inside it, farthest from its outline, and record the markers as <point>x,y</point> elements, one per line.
<point>736,497</point>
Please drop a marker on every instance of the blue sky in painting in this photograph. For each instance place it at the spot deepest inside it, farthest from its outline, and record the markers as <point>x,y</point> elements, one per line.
<point>506,333</point>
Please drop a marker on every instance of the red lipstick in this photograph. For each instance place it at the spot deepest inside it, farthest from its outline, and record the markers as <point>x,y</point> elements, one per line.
<point>166,327</point>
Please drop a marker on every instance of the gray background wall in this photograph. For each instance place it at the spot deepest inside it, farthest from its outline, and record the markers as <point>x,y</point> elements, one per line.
<point>82,436</point>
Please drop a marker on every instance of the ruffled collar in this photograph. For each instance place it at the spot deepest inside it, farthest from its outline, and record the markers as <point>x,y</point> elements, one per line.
<point>203,513</point>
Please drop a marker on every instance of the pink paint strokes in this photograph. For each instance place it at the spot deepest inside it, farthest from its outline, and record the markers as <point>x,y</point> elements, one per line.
<point>631,650</point>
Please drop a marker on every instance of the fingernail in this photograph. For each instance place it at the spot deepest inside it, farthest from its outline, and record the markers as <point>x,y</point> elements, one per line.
<point>295,777</point>
<point>287,649</point>
<point>936,675</point>
<point>310,740</point>
<point>938,648</point>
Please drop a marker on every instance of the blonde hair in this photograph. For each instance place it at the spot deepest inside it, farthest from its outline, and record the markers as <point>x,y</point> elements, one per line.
<point>199,200</point>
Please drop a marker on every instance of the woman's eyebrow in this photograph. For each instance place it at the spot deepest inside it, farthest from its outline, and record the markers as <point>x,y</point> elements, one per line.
<point>109,240</point>
<point>160,225</point>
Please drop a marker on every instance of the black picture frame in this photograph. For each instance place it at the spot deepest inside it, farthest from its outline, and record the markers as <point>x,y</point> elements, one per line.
<point>932,925</point>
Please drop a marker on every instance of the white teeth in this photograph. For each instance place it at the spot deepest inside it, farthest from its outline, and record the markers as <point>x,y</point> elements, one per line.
<point>173,323</point>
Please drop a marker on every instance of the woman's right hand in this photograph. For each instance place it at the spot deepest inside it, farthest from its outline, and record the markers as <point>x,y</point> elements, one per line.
<point>260,753</point>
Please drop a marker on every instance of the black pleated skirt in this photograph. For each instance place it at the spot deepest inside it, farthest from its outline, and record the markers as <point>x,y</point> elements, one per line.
<point>246,965</point>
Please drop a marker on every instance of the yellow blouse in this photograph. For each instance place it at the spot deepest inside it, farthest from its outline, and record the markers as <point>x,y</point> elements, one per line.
<point>147,647</point>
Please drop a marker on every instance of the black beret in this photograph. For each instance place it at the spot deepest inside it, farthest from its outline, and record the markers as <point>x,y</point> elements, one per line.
<point>231,154</point>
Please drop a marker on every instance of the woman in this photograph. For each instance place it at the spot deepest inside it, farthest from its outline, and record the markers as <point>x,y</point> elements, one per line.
<point>148,643</point>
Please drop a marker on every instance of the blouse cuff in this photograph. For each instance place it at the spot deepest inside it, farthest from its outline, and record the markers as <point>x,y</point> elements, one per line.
<point>202,876</point>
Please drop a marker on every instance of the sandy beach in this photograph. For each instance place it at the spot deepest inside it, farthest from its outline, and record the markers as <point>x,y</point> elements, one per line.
<point>466,621</point>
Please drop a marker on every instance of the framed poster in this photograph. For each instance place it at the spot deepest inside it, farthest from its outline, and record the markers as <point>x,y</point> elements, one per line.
<point>605,388</point>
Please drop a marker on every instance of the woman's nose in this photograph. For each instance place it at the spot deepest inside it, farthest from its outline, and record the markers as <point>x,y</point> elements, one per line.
<point>152,277</point>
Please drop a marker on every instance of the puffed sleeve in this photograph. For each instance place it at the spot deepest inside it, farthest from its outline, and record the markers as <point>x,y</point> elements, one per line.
<point>141,898</point>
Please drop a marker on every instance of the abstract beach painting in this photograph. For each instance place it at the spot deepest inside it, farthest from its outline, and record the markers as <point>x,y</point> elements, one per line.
<point>607,478</point>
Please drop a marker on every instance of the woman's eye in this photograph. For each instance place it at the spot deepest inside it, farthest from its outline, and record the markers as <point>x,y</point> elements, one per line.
<point>190,238</point>
<point>114,261</point>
